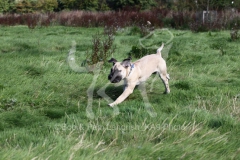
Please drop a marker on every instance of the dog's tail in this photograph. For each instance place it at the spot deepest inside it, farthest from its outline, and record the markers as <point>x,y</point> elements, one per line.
<point>160,49</point>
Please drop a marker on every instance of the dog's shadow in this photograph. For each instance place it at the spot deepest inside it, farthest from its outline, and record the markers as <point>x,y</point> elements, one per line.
<point>114,92</point>
<point>111,91</point>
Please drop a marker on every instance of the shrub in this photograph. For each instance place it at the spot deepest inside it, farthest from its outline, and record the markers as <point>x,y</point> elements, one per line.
<point>234,32</point>
<point>31,20</point>
<point>139,52</point>
<point>220,45</point>
<point>102,48</point>
<point>180,20</point>
<point>135,30</point>
<point>234,35</point>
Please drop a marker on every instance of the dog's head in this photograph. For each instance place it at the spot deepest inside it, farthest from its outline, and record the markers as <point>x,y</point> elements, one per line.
<point>119,70</point>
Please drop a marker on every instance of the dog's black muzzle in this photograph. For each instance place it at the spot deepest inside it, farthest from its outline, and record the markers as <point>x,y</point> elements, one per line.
<point>114,78</point>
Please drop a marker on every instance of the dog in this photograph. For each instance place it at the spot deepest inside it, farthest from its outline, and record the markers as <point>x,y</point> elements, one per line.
<point>138,72</point>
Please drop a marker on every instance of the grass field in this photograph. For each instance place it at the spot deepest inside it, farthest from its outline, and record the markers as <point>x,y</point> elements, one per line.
<point>43,101</point>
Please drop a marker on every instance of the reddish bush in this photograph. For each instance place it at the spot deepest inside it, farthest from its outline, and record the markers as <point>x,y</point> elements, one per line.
<point>157,17</point>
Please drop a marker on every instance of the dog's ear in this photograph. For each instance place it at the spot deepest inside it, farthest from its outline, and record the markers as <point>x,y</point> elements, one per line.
<point>126,62</point>
<point>112,60</point>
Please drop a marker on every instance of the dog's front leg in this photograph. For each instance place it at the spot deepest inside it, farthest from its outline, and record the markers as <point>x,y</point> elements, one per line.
<point>123,96</point>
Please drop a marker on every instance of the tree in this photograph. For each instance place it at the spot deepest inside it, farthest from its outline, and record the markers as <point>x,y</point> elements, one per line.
<point>102,5</point>
<point>90,5</point>
<point>4,6</point>
<point>69,4</point>
<point>217,4</point>
<point>120,4</point>
<point>46,5</point>
<point>24,6</point>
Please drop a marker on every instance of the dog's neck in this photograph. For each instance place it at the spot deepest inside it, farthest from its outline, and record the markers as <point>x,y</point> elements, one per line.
<point>130,70</point>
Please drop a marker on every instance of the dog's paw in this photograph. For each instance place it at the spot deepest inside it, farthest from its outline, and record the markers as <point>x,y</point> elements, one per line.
<point>111,105</point>
<point>166,92</point>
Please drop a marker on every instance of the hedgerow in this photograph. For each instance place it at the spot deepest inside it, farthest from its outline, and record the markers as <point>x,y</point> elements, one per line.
<point>157,17</point>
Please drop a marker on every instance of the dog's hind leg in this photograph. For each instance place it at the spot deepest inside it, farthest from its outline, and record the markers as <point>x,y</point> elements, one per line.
<point>165,77</point>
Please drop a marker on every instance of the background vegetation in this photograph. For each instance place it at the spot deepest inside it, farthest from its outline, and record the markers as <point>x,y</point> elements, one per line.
<point>43,101</point>
<point>30,6</point>
<point>118,20</point>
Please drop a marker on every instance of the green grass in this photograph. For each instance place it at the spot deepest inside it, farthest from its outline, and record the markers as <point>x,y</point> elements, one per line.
<point>43,102</point>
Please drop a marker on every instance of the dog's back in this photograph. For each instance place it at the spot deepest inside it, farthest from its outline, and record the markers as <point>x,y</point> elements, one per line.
<point>150,63</point>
